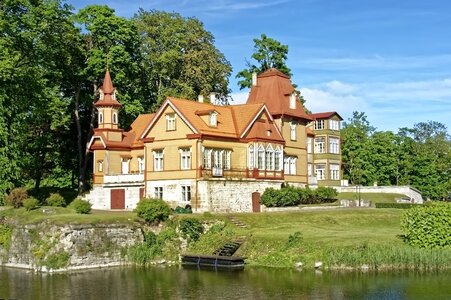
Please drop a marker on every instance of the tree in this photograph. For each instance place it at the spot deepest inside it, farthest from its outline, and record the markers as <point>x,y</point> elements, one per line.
<point>268,53</point>
<point>179,58</point>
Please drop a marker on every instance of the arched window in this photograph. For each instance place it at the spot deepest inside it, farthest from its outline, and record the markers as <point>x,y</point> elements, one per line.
<point>269,158</point>
<point>114,117</point>
<point>278,158</point>
<point>100,118</point>
<point>251,157</point>
<point>261,158</point>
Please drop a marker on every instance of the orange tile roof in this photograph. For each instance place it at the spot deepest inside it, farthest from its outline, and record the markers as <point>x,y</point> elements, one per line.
<point>325,115</point>
<point>108,90</point>
<point>274,89</point>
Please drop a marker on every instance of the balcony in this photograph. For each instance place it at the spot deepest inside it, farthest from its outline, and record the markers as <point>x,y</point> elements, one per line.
<point>241,173</point>
<point>123,178</point>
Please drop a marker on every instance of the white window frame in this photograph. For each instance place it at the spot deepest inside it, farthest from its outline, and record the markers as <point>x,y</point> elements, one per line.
<point>293,134</point>
<point>214,119</point>
<point>334,145</point>
<point>114,117</point>
<point>320,171</point>
<point>170,122</point>
<point>141,164</point>
<point>125,165</point>
<point>185,158</point>
<point>100,118</point>
<point>320,144</point>
<point>207,158</point>
<point>100,166</point>
<point>293,161</point>
<point>261,158</point>
<point>293,101</point>
<point>269,158</point>
<point>227,159</point>
<point>158,192</point>
<point>309,145</point>
<point>289,163</point>
<point>278,159</point>
<point>186,193</point>
<point>334,171</point>
<point>158,160</point>
<point>334,124</point>
<point>319,124</point>
<point>251,157</point>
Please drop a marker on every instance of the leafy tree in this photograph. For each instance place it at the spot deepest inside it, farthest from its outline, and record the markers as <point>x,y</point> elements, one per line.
<point>180,58</point>
<point>268,53</point>
<point>382,160</point>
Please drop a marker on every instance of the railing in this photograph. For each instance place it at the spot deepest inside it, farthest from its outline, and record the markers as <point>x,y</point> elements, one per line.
<point>241,173</point>
<point>123,178</point>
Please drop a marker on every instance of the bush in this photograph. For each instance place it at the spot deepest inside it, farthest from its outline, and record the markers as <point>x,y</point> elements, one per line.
<point>181,210</point>
<point>153,210</point>
<point>270,197</point>
<point>30,203</point>
<point>306,196</point>
<point>395,205</point>
<point>16,197</point>
<point>326,194</point>
<point>428,226</point>
<point>191,228</point>
<point>56,199</point>
<point>81,206</point>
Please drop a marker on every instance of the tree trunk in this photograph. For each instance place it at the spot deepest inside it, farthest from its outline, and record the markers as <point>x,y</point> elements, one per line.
<point>81,175</point>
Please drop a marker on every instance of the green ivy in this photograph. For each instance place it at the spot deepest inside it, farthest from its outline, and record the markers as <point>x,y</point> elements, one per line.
<point>5,236</point>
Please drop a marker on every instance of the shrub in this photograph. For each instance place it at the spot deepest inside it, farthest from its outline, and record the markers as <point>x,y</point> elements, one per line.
<point>288,197</point>
<point>81,206</point>
<point>153,210</point>
<point>306,196</point>
<point>428,226</point>
<point>56,199</point>
<point>326,194</point>
<point>16,197</point>
<point>270,197</point>
<point>30,203</point>
<point>181,210</point>
<point>191,228</point>
<point>150,238</point>
<point>395,205</point>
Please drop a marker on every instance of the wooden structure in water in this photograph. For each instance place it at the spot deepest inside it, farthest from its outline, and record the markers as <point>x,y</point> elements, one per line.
<point>213,261</point>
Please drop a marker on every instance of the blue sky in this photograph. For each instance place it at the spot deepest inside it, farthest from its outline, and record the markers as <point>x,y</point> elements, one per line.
<point>390,59</point>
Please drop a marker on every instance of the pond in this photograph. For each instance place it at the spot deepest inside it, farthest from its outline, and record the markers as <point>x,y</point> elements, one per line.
<point>251,283</point>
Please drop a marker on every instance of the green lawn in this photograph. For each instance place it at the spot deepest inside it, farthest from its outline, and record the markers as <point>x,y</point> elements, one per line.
<point>373,197</point>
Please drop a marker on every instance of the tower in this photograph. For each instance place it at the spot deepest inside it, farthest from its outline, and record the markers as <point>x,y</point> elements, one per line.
<point>107,105</point>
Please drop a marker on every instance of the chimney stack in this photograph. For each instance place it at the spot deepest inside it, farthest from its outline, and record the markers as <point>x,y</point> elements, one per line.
<point>212,98</point>
<point>254,79</point>
<point>200,98</point>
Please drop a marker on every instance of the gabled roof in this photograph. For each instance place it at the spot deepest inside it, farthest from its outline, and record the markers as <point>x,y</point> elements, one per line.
<point>233,121</point>
<point>108,91</point>
<point>325,115</point>
<point>274,89</point>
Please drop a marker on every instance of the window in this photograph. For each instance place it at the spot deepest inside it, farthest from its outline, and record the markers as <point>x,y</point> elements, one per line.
<point>100,166</point>
<point>278,158</point>
<point>125,165</point>
<point>319,124</point>
<point>141,164</point>
<point>309,169</point>
<point>293,131</point>
<point>227,154</point>
<point>334,145</point>
<point>334,171</point>
<point>320,145</point>
<point>207,159</point>
<point>269,158</point>
<point>185,159</point>
<point>158,192</point>
<point>186,193</point>
<point>250,160</point>
<point>158,160</point>
<point>214,119</point>
<point>289,163</point>
<point>309,145</point>
<point>334,124</point>
<point>293,101</point>
<point>170,122</point>
<point>261,158</point>
<point>320,171</point>
<point>100,118</point>
<point>114,117</point>
<point>217,158</point>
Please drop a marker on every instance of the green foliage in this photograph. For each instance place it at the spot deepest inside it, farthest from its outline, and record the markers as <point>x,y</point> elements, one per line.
<point>295,240</point>
<point>153,210</point>
<point>56,261</point>
<point>5,236</point>
<point>268,53</point>
<point>16,197</point>
<point>428,226</point>
<point>81,206</point>
<point>150,238</point>
<point>191,228</point>
<point>395,205</point>
<point>291,196</point>
<point>56,199</point>
<point>30,203</point>
<point>181,210</point>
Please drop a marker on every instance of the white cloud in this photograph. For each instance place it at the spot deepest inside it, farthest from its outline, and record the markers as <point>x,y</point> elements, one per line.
<point>239,97</point>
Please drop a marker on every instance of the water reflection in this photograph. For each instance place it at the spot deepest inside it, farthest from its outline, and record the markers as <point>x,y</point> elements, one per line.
<point>251,283</point>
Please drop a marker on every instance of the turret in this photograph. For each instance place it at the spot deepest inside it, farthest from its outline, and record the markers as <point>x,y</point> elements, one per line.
<point>107,105</point>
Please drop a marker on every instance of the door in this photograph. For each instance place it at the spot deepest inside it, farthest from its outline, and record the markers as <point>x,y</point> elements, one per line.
<point>141,193</point>
<point>125,165</point>
<point>256,202</point>
<point>118,199</point>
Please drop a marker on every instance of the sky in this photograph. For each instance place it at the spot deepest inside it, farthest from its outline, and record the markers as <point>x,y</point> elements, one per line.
<point>389,59</point>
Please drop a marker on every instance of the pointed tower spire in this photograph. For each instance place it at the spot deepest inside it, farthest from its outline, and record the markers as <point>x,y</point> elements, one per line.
<point>107,86</point>
<point>107,93</point>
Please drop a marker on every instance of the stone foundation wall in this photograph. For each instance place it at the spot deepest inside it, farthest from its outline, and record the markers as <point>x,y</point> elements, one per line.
<point>100,196</point>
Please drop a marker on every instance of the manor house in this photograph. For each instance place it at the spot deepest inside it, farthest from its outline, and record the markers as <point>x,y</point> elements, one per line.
<point>213,157</point>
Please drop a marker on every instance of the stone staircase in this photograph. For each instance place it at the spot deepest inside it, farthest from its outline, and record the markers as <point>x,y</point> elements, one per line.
<point>228,249</point>
<point>237,222</point>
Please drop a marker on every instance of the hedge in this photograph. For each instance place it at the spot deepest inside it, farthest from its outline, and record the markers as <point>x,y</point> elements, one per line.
<point>291,196</point>
<point>396,205</point>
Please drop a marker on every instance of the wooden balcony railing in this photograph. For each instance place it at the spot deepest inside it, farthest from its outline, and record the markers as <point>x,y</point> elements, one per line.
<point>241,173</point>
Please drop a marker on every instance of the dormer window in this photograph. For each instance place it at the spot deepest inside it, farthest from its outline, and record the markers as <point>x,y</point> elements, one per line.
<point>114,117</point>
<point>100,118</point>
<point>101,94</point>
<point>214,119</point>
<point>113,95</point>
<point>293,101</point>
